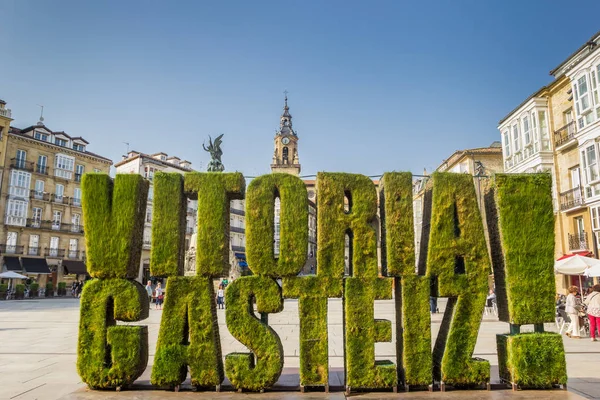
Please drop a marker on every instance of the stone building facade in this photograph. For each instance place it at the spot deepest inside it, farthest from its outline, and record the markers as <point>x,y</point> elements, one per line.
<point>42,231</point>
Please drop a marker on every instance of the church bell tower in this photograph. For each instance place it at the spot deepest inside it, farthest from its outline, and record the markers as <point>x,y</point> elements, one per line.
<point>285,156</point>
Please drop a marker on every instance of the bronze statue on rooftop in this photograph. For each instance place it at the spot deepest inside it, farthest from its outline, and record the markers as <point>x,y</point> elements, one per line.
<point>214,148</point>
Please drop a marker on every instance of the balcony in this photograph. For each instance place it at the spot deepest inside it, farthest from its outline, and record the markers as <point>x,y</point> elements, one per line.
<point>11,249</point>
<point>571,199</point>
<point>59,199</point>
<point>15,220</point>
<point>56,253</point>
<point>578,241</point>
<point>73,254</point>
<point>63,173</point>
<point>5,112</point>
<point>42,169</point>
<point>21,164</point>
<point>236,229</point>
<point>33,251</point>
<point>75,202</point>
<point>34,194</point>
<point>54,226</point>
<point>34,223</point>
<point>564,134</point>
<point>239,249</point>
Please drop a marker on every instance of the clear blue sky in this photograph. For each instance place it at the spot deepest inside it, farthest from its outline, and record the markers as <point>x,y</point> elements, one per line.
<point>373,86</point>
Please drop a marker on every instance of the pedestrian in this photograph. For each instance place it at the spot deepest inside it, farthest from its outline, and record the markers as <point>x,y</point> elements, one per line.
<point>221,298</point>
<point>572,309</point>
<point>593,310</point>
<point>79,288</point>
<point>74,289</point>
<point>432,304</point>
<point>149,290</point>
<point>159,296</point>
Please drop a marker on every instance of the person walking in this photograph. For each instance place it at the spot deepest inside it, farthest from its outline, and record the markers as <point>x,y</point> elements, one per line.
<point>159,296</point>
<point>149,291</point>
<point>593,310</point>
<point>74,289</point>
<point>571,308</point>
<point>221,298</point>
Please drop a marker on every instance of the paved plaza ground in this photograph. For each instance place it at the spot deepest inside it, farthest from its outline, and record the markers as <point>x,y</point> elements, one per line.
<point>38,342</point>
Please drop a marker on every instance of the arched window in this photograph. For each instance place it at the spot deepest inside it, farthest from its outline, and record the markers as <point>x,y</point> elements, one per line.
<point>285,154</point>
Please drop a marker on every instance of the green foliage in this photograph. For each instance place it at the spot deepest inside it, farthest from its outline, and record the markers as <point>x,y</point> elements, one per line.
<point>61,288</point>
<point>312,294</point>
<point>169,211</point>
<point>214,191</point>
<point>416,330</point>
<point>111,355</point>
<point>334,223</point>
<point>33,289</point>
<point>397,232</point>
<point>189,335</point>
<point>528,248</point>
<point>260,225</point>
<point>62,285</point>
<point>113,214</point>
<point>261,368</point>
<point>3,288</point>
<point>20,288</point>
<point>532,360</point>
<point>362,331</point>
<point>49,286</point>
<point>458,259</point>
<point>49,289</point>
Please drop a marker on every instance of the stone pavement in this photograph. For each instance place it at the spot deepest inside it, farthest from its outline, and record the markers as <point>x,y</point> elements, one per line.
<point>38,342</point>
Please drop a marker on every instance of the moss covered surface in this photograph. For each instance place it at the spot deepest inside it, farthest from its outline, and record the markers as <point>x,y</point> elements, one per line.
<point>169,210</point>
<point>532,360</point>
<point>457,258</point>
<point>260,225</point>
<point>109,355</point>
<point>261,368</point>
<point>214,191</point>
<point>113,234</point>
<point>397,231</point>
<point>334,223</point>
<point>312,294</point>
<point>189,335</point>
<point>416,330</point>
<point>362,330</point>
<point>528,248</point>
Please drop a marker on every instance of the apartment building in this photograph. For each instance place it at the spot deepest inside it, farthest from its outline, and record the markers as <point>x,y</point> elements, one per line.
<point>569,108</point>
<point>42,235</point>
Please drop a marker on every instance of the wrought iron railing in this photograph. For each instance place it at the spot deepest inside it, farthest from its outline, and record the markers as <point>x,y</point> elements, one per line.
<point>571,198</point>
<point>11,249</point>
<point>564,134</point>
<point>578,241</point>
<point>18,163</point>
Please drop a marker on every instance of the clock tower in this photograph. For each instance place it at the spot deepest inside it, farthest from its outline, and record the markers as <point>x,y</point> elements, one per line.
<point>285,156</point>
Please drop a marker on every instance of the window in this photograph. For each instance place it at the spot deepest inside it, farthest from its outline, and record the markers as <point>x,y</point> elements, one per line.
<point>79,172</point>
<point>516,141</point>
<point>595,218</point>
<point>38,193</point>
<point>582,100</point>
<point>77,197</point>
<point>285,153</point>
<point>34,245</point>
<point>11,242</point>
<point>19,183</point>
<point>21,159</point>
<point>150,193</point>
<point>76,223</point>
<point>590,163</point>
<point>544,130</point>
<point>36,217</point>
<point>72,248</point>
<point>60,191</point>
<point>64,166</point>
<point>149,215</point>
<point>526,130</point>
<point>507,144</point>
<point>53,246</point>
<point>42,165</point>
<point>60,142</point>
<point>97,170</point>
<point>78,147</point>
<point>40,136</point>
<point>56,220</point>
<point>16,212</point>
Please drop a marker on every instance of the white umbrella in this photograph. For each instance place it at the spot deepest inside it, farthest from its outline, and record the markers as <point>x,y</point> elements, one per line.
<point>12,275</point>
<point>592,271</point>
<point>575,265</point>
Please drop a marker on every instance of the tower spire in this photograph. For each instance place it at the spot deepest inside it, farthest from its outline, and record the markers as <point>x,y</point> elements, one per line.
<point>285,123</point>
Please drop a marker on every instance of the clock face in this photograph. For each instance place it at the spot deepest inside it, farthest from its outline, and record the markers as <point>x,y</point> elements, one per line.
<point>285,140</point>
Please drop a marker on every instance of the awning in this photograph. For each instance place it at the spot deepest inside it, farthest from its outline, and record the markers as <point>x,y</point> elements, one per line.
<point>243,264</point>
<point>240,255</point>
<point>74,267</point>
<point>35,265</point>
<point>12,263</point>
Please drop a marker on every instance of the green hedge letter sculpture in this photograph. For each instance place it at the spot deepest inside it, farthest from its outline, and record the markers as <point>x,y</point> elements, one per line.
<point>523,260</point>
<point>189,334</point>
<point>112,356</point>
<point>261,368</point>
<point>458,258</point>
<point>413,323</point>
